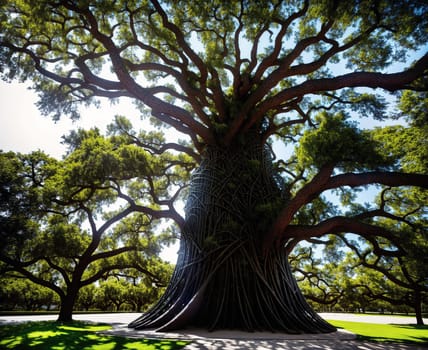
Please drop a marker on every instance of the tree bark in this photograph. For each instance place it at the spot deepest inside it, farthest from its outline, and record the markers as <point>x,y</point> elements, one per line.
<point>223,279</point>
<point>418,308</point>
<point>66,307</point>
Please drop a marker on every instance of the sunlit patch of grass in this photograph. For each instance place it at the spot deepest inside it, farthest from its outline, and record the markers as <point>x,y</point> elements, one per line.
<point>87,327</point>
<point>74,336</point>
<point>397,333</point>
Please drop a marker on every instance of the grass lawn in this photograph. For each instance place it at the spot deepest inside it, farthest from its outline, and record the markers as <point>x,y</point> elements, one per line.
<point>397,333</point>
<point>78,335</point>
<point>74,336</point>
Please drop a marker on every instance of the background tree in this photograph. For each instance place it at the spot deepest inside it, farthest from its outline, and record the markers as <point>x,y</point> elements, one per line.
<point>352,285</point>
<point>113,291</point>
<point>141,291</point>
<point>375,285</point>
<point>399,280</point>
<point>403,211</point>
<point>87,297</point>
<point>323,283</point>
<point>232,77</point>
<point>142,295</point>
<point>17,293</point>
<point>72,222</point>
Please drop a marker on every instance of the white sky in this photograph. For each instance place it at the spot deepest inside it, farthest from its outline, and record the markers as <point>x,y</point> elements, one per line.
<point>24,129</point>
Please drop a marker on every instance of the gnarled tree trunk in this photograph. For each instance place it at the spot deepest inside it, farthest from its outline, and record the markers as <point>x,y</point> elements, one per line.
<point>417,299</point>
<point>222,279</point>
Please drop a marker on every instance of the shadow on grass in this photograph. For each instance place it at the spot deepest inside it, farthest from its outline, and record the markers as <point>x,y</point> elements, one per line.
<point>73,336</point>
<point>419,337</point>
<point>421,332</point>
<point>410,326</point>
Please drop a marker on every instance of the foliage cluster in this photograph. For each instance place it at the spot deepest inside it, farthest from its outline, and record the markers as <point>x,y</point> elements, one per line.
<point>113,294</point>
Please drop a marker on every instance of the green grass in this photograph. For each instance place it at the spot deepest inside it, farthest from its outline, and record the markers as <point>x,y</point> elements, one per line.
<point>74,336</point>
<point>397,333</point>
<point>83,336</point>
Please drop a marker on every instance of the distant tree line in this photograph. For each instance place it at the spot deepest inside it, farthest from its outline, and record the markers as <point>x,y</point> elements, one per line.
<point>349,285</point>
<point>113,294</point>
<point>329,283</point>
<point>329,286</point>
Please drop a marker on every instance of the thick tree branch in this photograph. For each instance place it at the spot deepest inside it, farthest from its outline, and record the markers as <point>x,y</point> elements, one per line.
<point>321,183</point>
<point>409,283</point>
<point>157,214</point>
<point>126,85</point>
<point>391,82</point>
<point>392,179</point>
<point>271,59</point>
<point>340,224</point>
<point>305,195</point>
<point>111,253</point>
<point>58,268</point>
<point>181,41</point>
<point>18,267</point>
<point>105,271</point>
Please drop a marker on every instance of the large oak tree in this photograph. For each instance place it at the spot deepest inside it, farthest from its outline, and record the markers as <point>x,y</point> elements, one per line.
<point>233,76</point>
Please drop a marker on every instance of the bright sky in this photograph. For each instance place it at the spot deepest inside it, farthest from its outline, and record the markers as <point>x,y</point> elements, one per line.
<point>24,129</point>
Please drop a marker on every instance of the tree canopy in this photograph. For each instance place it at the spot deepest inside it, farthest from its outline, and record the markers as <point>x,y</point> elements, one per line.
<point>238,79</point>
<point>213,69</point>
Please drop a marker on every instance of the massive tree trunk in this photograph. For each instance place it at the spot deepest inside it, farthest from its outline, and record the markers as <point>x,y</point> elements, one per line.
<point>223,280</point>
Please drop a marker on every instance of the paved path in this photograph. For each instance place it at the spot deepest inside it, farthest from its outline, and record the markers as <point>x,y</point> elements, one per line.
<point>232,340</point>
<point>370,318</point>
